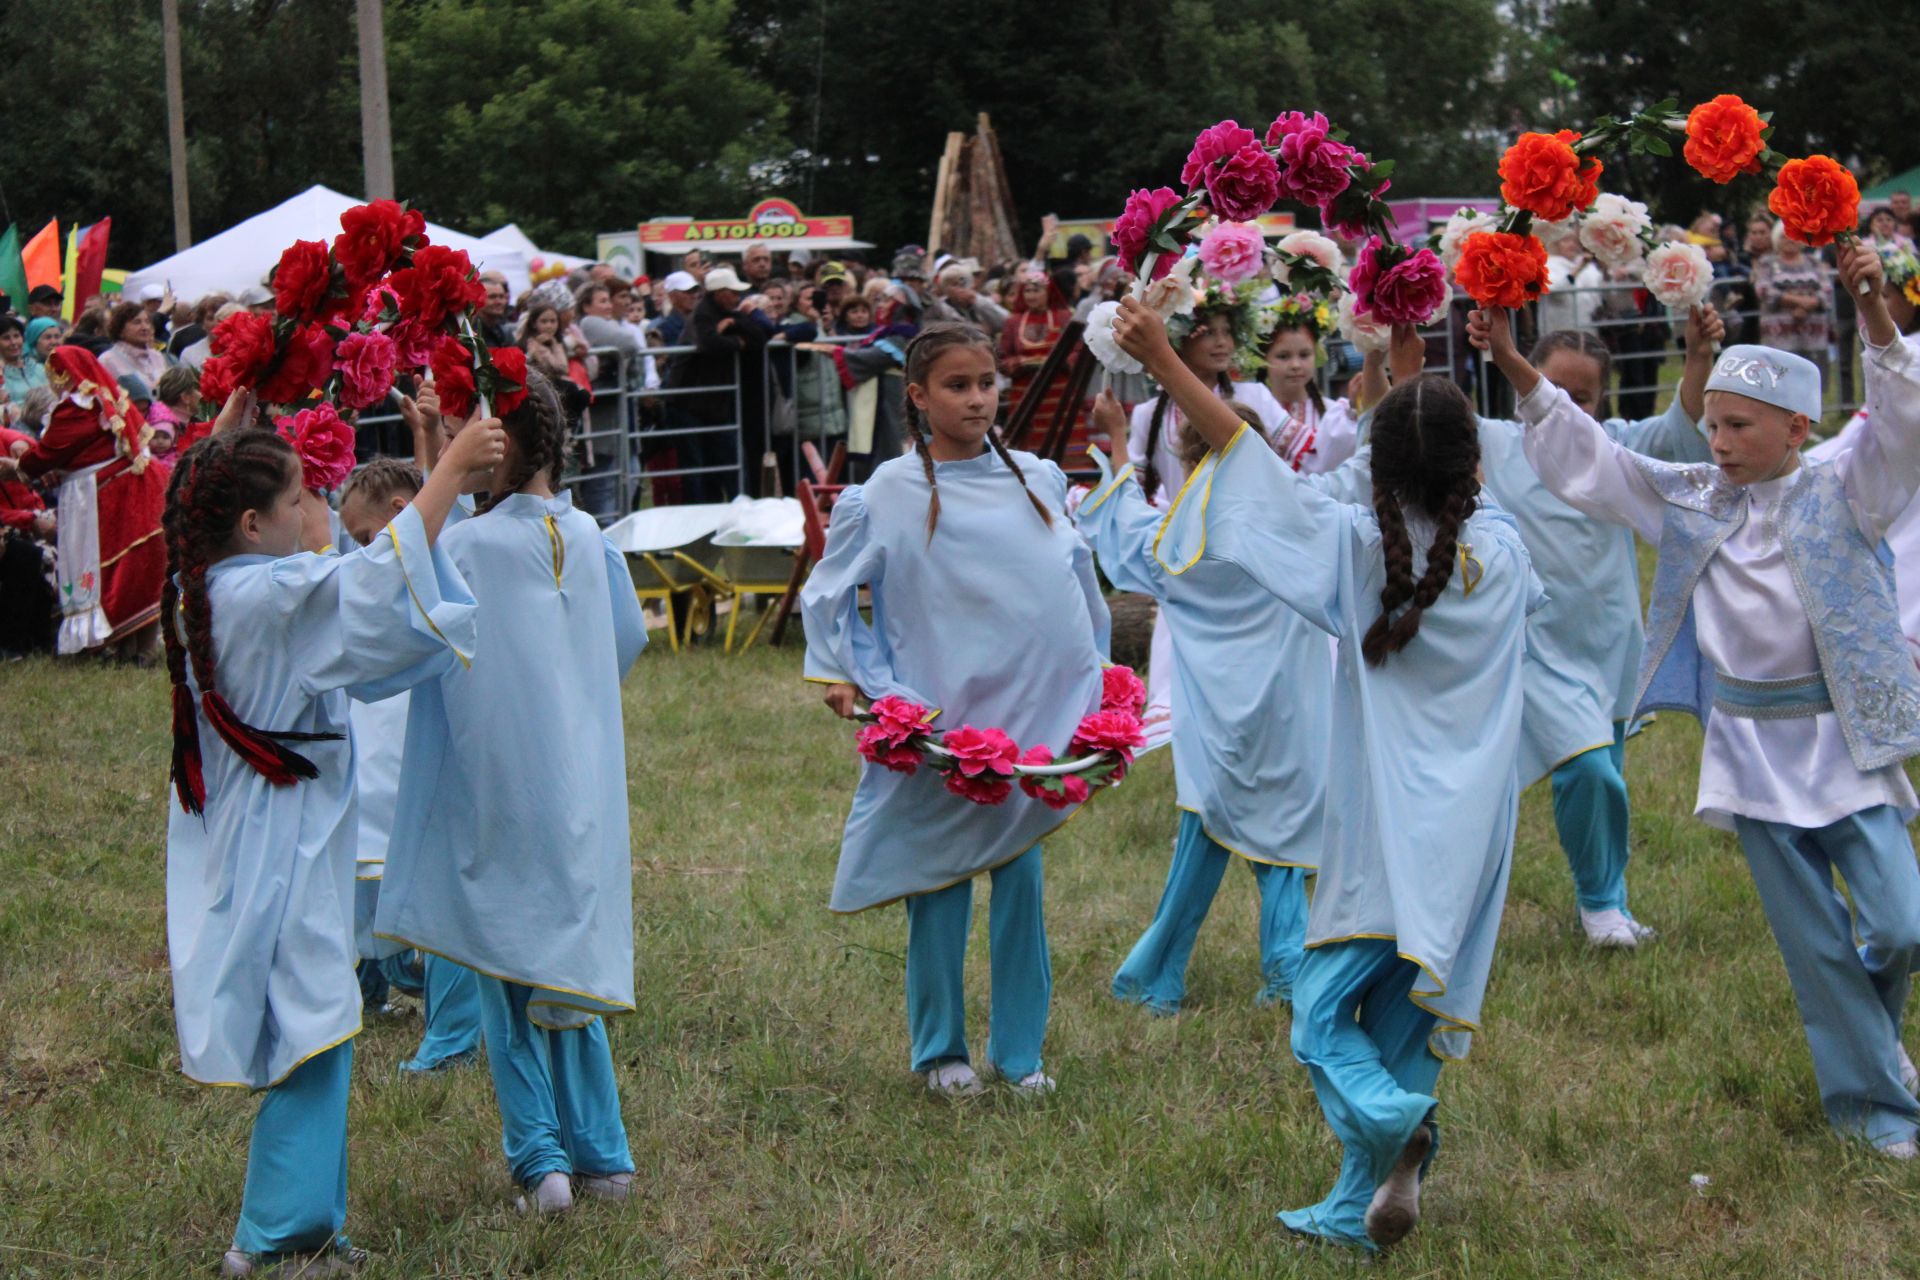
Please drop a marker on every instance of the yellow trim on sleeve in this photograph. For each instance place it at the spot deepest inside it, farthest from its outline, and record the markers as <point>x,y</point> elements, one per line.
<point>394,538</point>
<point>1468,563</point>
<point>1211,464</point>
<point>1106,491</point>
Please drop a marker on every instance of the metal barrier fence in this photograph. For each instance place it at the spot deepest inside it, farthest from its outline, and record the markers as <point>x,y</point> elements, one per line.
<point>639,442</point>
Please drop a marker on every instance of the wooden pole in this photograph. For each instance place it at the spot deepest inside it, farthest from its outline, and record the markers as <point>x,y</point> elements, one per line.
<point>176,124</point>
<point>376,129</point>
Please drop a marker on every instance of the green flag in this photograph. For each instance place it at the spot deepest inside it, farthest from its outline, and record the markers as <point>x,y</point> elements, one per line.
<point>13,276</point>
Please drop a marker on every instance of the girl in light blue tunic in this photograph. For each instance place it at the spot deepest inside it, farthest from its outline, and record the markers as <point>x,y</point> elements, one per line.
<point>1252,707</point>
<point>449,993</point>
<point>986,609</point>
<point>1584,645</point>
<point>1427,592</point>
<point>510,851</point>
<point>262,645</point>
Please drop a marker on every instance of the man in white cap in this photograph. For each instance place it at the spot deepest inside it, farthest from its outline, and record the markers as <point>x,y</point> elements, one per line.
<point>727,351</point>
<point>683,291</point>
<point>1774,622</point>
<point>158,301</point>
<point>955,299</point>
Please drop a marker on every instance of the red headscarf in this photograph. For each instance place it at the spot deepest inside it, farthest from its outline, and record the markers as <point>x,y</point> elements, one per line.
<point>78,378</point>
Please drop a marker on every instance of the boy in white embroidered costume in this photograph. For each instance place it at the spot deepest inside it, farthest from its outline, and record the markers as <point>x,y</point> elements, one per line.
<point>1771,607</point>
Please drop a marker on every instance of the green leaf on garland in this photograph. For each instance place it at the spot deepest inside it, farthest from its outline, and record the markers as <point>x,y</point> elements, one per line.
<point>1381,171</point>
<point>1658,145</point>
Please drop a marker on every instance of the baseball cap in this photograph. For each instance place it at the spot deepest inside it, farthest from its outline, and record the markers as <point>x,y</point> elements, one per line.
<point>723,278</point>
<point>44,293</point>
<point>152,291</point>
<point>681,282</point>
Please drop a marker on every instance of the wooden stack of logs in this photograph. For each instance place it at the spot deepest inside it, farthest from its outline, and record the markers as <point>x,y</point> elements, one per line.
<point>973,214</point>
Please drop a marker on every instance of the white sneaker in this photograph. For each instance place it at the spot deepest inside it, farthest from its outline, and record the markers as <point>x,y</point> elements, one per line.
<point>1901,1150</point>
<point>330,1261</point>
<point>606,1186</point>
<point>1395,1210</point>
<point>1614,928</point>
<point>553,1195</point>
<point>953,1080</point>
<point>1036,1085</point>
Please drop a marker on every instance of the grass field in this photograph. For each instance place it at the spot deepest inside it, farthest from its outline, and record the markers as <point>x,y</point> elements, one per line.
<point>776,1127</point>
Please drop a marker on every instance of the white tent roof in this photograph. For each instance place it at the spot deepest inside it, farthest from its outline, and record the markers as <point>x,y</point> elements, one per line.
<point>240,257</point>
<point>512,237</point>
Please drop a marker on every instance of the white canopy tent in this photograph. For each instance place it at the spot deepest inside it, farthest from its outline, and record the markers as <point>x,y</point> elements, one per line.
<point>512,237</point>
<point>241,256</point>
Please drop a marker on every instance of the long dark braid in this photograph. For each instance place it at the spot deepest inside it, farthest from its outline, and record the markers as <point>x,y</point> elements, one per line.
<point>538,429</point>
<point>927,347</point>
<point>1156,426</point>
<point>213,484</point>
<point>1426,451</point>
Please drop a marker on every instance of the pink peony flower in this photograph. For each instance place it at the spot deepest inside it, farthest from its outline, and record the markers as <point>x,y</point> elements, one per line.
<point>899,719</point>
<point>874,744</point>
<point>1120,690</point>
<point>1395,286</point>
<point>1212,146</point>
<point>1313,165</point>
<point>1678,274</point>
<point>413,344</point>
<point>1134,228</point>
<point>366,363</point>
<point>1345,215</point>
<point>1611,230</point>
<point>1054,792</point>
<point>1233,252</point>
<point>978,751</point>
<point>324,442</point>
<point>1245,185</point>
<point>988,789</point>
<point>379,298</point>
<point>1117,730</point>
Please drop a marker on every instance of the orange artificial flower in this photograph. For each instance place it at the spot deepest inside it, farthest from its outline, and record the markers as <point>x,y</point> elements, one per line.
<point>1541,174</point>
<point>1816,199</point>
<point>1724,138</point>
<point>1502,269</point>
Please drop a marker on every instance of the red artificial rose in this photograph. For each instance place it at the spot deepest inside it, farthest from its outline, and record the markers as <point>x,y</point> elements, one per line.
<point>1121,690</point>
<point>452,369</point>
<point>1724,138</point>
<point>324,442</point>
<point>874,745</point>
<point>304,365</point>
<point>990,788</point>
<point>1117,731</point>
<point>509,379</point>
<point>1212,146</point>
<point>440,283</point>
<point>245,340</point>
<point>1060,792</point>
<point>1133,231</point>
<point>218,381</point>
<point>1245,185</point>
<point>371,238</point>
<point>900,717</point>
<point>1815,199</point>
<point>1502,268</point>
<point>302,280</point>
<point>1541,174</point>
<point>977,751</point>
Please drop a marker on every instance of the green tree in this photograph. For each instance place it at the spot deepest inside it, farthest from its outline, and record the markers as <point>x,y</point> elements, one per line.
<point>574,116</point>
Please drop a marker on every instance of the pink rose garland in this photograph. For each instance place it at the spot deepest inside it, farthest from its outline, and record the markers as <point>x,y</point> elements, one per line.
<point>323,441</point>
<point>1133,230</point>
<point>1395,286</point>
<point>1234,252</point>
<point>366,363</point>
<point>1211,147</point>
<point>1314,164</point>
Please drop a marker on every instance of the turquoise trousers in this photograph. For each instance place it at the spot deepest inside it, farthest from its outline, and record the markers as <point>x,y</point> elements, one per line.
<point>296,1193</point>
<point>937,928</point>
<point>1155,971</point>
<point>1364,1042</point>
<point>559,1105</point>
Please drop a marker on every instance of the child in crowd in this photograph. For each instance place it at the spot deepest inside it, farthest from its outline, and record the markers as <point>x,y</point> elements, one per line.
<point>985,605</point>
<point>1585,643</point>
<point>510,851</point>
<point>262,643</point>
<point>854,318</point>
<point>1311,434</point>
<point>1772,607</point>
<point>373,495</point>
<point>1427,593</point>
<point>176,403</point>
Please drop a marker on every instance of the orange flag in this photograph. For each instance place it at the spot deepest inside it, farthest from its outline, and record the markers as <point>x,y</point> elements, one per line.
<point>41,258</point>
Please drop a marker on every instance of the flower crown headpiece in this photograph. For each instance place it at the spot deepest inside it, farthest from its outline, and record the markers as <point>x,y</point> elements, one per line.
<point>1302,311</point>
<point>1902,268</point>
<point>1235,302</point>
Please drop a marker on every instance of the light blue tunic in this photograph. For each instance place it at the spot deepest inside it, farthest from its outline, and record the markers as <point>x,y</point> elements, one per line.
<point>1422,789</point>
<point>1253,686</point>
<point>997,623</point>
<point>1584,644</point>
<point>379,734</point>
<point>260,895</point>
<point>510,853</point>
